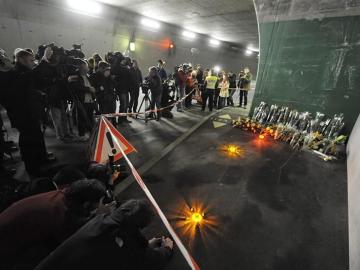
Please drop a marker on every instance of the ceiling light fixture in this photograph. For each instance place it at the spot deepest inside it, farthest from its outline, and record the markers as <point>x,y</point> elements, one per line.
<point>188,34</point>
<point>248,52</point>
<point>88,7</point>
<point>150,23</point>
<point>252,48</point>
<point>217,69</point>
<point>214,42</point>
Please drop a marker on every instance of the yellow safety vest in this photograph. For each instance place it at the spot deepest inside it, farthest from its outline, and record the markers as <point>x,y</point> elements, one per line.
<point>211,82</point>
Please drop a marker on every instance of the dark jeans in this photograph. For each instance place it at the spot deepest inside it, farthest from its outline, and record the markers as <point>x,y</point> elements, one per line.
<point>230,101</point>
<point>243,97</point>
<point>208,94</point>
<point>124,104</point>
<point>86,118</point>
<point>32,146</point>
<point>134,99</point>
<point>188,99</point>
<point>156,101</point>
<point>216,98</point>
<point>221,102</point>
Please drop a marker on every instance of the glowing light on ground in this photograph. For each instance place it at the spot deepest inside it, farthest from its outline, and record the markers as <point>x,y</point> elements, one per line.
<point>195,222</point>
<point>232,150</point>
<point>196,217</point>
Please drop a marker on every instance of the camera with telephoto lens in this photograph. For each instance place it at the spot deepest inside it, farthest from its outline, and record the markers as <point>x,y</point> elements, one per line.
<point>145,86</point>
<point>115,167</point>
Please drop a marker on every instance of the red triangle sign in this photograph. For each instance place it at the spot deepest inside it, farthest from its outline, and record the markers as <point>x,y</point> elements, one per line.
<point>109,141</point>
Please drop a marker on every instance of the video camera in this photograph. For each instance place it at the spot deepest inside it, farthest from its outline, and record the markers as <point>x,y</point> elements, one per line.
<point>114,58</point>
<point>60,55</point>
<point>145,86</point>
<point>115,167</point>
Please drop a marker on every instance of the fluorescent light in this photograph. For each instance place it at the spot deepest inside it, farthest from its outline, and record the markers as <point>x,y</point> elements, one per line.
<point>132,46</point>
<point>189,34</point>
<point>150,23</point>
<point>217,69</point>
<point>214,42</point>
<point>252,48</point>
<point>89,7</point>
<point>248,52</point>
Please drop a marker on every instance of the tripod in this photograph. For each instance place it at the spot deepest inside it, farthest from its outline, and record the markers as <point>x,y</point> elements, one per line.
<point>146,101</point>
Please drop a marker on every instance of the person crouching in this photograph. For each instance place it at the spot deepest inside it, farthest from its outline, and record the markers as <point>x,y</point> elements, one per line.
<point>113,241</point>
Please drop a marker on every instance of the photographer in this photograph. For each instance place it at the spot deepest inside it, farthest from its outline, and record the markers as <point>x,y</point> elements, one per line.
<point>120,68</point>
<point>104,89</point>
<point>244,85</point>
<point>59,94</point>
<point>136,79</point>
<point>155,86</point>
<point>22,105</point>
<point>112,241</point>
<point>85,94</point>
<point>161,70</point>
<point>5,67</point>
<point>33,227</point>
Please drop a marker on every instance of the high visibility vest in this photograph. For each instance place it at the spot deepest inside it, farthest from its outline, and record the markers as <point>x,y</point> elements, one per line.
<point>211,82</point>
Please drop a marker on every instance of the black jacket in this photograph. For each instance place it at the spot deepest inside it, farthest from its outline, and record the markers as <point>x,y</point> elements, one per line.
<point>104,88</point>
<point>22,96</point>
<point>155,85</point>
<point>232,80</point>
<point>79,89</point>
<point>136,79</point>
<point>122,78</point>
<point>106,243</point>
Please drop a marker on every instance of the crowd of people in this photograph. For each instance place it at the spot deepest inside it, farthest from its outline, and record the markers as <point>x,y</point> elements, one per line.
<point>72,219</point>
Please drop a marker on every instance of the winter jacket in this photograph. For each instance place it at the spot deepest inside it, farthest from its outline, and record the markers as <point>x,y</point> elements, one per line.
<point>123,81</point>
<point>245,82</point>
<point>106,242</point>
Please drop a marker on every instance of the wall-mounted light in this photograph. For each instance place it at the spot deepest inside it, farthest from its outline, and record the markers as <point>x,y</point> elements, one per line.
<point>214,42</point>
<point>132,46</point>
<point>189,35</point>
<point>150,23</point>
<point>88,7</point>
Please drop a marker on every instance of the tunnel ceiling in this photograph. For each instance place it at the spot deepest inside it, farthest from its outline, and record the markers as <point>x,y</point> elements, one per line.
<point>228,20</point>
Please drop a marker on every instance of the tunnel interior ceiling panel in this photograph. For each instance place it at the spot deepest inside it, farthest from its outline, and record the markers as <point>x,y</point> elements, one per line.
<point>311,65</point>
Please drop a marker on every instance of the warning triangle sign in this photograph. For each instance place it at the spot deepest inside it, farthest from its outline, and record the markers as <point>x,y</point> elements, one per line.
<point>109,140</point>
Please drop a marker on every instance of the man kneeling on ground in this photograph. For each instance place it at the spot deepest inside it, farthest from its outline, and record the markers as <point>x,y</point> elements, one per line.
<point>33,227</point>
<point>112,241</point>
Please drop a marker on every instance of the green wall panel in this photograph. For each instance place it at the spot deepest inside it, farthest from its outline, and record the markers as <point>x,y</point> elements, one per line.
<point>311,65</point>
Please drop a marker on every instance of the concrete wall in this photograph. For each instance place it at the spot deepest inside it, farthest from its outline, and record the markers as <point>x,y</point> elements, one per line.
<point>309,56</point>
<point>309,60</point>
<point>28,23</point>
<point>353,164</point>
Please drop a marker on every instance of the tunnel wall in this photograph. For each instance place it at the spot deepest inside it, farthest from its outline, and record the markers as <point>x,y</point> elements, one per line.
<point>309,56</point>
<point>29,23</point>
<point>353,195</point>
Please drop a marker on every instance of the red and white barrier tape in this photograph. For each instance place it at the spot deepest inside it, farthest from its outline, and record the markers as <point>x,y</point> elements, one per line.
<point>180,245</point>
<point>110,115</point>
